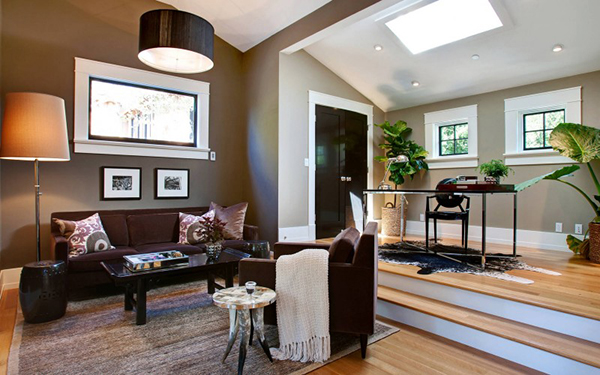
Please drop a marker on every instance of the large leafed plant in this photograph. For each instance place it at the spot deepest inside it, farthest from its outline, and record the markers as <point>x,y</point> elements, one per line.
<point>582,144</point>
<point>397,144</point>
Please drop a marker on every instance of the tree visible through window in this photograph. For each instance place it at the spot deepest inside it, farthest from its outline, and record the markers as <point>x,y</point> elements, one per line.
<point>135,113</point>
<point>538,126</point>
<point>454,139</point>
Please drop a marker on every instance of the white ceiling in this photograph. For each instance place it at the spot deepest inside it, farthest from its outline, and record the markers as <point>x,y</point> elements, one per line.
<point>516,54</point>
<point>246,23</point>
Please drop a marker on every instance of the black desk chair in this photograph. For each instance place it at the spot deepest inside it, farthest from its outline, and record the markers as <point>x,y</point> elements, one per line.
<point>448,200</point>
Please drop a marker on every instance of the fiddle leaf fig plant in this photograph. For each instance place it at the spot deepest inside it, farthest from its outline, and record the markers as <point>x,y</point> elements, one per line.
<point>396,144</point>
<point>582,144</point>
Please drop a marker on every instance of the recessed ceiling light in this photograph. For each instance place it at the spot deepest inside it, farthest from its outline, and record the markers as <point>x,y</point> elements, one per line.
<point>415,83</point>
<point>557,48</point>
<point>378,47</point>
<point>443,22</point>
<point>475,57</point>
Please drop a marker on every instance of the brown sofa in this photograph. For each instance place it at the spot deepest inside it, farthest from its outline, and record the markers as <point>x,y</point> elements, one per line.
<point>131,232</point>
<point>352,280</point>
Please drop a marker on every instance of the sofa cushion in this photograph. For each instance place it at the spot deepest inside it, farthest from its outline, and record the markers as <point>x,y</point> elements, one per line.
<point>235,244</point>
<point>342,247</point>
<point>115,227</point>
<point>234,217</point>
<point>91,262</point>
<point>152,228</point>
<point>156,247</point>
<point>84,236</point>
<point>192,228</point>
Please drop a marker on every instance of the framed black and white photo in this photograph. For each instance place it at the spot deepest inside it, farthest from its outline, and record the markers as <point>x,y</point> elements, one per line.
<point>121,183</point>
<point>172,183</point>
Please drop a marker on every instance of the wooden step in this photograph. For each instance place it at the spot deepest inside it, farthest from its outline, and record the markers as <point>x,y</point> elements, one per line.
<point>556,343</point>
<point>550,294</point>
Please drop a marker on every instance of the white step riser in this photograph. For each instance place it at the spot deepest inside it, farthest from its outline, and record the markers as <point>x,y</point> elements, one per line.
<point>551,320</point>
<point>513,351</point>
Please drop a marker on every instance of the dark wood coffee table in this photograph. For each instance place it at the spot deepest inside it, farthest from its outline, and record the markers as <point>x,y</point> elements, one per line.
<point>137,282</point>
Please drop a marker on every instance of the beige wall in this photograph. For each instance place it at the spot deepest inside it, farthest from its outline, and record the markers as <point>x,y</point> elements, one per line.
<point>299,73</point>
<point>40,39</point>
<point>261,74</point>
<point>539,206</point>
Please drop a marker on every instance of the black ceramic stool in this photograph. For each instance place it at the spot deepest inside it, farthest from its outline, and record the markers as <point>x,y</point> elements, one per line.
<point>42,291</point>
<point>258,249</point>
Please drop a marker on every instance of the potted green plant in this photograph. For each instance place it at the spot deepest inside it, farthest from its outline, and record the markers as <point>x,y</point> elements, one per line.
<point>582,144</point>
<point>396,144</point>
<point>494,170</point>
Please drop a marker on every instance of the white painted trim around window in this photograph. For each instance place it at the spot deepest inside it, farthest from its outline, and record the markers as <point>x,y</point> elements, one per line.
<point>84,69</point>
<point>433,120</point>
<point>514,110</point>
<point>317,98</point>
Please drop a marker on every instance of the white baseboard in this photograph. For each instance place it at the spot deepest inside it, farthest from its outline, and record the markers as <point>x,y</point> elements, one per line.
<point>9,279</point>
<point>526,238</point>
<point>296,234</point>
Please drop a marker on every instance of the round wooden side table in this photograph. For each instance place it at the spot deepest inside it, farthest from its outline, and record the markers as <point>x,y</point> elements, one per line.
<point>245,312</point>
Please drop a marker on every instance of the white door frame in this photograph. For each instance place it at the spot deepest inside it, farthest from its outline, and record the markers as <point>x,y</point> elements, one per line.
<point>316,98</point>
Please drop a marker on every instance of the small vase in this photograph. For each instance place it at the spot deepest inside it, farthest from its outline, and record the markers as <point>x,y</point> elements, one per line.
<point>494,180</point>
<point>213,250</point>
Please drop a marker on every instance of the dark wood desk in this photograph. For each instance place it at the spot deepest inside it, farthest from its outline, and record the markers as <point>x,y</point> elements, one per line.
<point>458,189</point>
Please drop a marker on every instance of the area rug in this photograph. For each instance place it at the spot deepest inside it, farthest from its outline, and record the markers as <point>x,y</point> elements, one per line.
<point>412,253</point>
<point>185,334</point>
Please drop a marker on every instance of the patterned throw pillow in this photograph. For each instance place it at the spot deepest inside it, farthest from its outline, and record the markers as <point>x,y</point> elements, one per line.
<point>190,227</point>
<point>84,236</point>
<point>233,217</point>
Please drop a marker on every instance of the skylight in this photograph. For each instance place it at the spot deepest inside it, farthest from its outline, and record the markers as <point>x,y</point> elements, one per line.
<point>443,22</point>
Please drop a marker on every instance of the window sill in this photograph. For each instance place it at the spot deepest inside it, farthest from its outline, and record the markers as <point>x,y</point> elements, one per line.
<point>137,149</point>
<point>535,158</point>
<point>448,162</point>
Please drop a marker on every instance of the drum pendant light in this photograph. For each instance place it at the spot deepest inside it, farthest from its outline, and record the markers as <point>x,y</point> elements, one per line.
<point>176,41</point>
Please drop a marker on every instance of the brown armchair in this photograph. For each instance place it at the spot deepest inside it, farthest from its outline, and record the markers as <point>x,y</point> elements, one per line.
<point>352,280</point>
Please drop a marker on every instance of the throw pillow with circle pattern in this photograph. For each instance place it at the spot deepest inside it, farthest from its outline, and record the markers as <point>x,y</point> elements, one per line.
<point>84,236</point>
<point>190,227</point>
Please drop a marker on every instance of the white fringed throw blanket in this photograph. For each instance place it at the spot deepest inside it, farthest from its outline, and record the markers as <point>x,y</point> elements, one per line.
<point>301,282</point>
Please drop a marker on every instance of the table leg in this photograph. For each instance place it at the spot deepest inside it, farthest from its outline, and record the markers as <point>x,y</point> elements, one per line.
<point>244,322</point>
<point>258,320</point>
<point>140,305</point>
<point>233,331</point>
<point>483,224</point>
<point>515,226</point>
<point>128,297</point>
<point>365,214</point>
<point>211,282</point>
<point>229,276</point>
<point>401,217</point>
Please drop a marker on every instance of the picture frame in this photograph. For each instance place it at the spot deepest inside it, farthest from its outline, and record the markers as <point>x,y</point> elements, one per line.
<point>171,183</point>
<point>121,183</point>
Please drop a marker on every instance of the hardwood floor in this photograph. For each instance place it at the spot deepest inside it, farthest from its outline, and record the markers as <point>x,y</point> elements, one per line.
<point>575,291</point>
<point>8,313</point>
<point>413,351</point>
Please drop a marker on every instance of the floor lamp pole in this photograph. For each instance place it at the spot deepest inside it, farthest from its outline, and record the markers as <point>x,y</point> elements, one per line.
<point>37,207</point>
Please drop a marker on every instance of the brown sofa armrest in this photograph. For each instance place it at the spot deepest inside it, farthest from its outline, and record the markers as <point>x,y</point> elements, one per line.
<point>352,298</point>
<point>250,232</point>
<point>287,248</point>
<point>59,248</point>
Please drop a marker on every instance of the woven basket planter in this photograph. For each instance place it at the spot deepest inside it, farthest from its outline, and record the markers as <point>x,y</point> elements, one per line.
<point>390,219</point>
<point>594,254</point>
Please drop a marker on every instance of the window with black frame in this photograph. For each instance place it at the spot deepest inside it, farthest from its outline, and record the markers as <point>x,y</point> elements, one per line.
<point>141,114</point>
<point>538,126</point>
<point>454,139</point>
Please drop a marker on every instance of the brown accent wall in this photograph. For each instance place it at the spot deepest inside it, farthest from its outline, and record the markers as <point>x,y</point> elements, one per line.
<point>261,74</point>
<point>40,39</point>
<point>539,206</point>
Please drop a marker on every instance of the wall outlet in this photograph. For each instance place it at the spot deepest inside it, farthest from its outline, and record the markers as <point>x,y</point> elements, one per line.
<point>306,162</point>
<point>213,156</point>
<point>558,228</point>
<point>422,217</point>
<point>578,229</point>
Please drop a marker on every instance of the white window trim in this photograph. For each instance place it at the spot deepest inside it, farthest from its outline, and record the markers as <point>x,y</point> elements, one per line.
<point>433,120</point>
<point>514,110</point>
<point>84,69</point>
